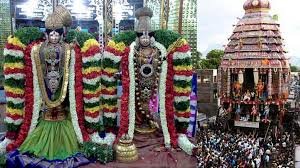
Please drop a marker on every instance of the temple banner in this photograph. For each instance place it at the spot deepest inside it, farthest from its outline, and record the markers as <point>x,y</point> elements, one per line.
<point>246,124</point>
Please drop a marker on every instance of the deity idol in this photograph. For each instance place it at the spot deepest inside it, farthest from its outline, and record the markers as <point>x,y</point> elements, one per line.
<point>50,111</point>
<point>156,80</point>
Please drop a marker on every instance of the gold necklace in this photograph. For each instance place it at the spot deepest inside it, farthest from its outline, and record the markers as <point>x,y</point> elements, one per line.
<point>63,91</point>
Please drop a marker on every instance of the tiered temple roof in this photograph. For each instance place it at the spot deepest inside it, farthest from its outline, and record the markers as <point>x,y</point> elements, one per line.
<point>256,41</point>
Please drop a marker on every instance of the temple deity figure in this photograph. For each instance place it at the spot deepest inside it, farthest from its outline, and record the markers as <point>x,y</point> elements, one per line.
<point>247,96</point>
<point>260,88</point>
<point>47,113</point>
<point>156,81</point>
<point>147,66</point>
<point>237,89</point>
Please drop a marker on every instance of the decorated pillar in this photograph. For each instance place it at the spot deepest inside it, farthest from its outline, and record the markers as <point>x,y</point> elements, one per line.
<point>228,82</point>
<point>280,83</point>
<point>219,78</point>
<point>270,82</point>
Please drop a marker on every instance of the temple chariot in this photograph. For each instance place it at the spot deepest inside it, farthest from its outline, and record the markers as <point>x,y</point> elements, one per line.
<point>254,71</point>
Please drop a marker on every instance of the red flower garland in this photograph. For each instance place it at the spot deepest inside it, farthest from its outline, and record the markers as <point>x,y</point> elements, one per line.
<point>124,122</point>
<point>91,51</point>
<point>169,102</point>
<point>28,99</point>
<point>79,93</point>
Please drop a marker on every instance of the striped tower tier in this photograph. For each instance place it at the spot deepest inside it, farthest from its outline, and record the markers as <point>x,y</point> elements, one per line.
<point>91,72</point>
<point>109,101</point>
<point>14,73</point>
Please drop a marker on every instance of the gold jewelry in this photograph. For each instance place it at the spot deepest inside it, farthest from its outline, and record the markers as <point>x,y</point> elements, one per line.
<point>41,81</point>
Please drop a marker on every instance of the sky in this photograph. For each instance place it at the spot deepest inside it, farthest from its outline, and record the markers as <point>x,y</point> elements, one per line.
<point>217,17</point>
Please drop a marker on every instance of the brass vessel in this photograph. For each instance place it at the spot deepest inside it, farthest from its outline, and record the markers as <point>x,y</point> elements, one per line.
<point>126,150</point>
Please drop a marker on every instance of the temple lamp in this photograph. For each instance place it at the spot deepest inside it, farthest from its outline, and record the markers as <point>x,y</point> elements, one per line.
<point>255,74</point>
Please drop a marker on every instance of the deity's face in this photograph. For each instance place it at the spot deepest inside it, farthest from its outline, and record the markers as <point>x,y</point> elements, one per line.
<point>54,37</point>
<point>145,39</point>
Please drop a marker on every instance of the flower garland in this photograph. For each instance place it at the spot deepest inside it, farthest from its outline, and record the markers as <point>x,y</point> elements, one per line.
<point>29,99</point>
<point>76,91</point>
<point>36,94</point>
<point>124,121</point>
<point>72,98</point>
<point>91,70</point>
<point>185,144</point>
<point>131,105</point>
<point>14,86</point>
<point>108,139</point>
<point>182,84</point>
<point>162,94</point>
<point>109,102</point>
<point>3,145</point>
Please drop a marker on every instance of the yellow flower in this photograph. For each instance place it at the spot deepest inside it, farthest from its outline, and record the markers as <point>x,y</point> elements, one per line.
<point>109,107</point>
<point>183,68</point>
<point>14,111</point>
<point>91,69</point>
<point>93,110</point>
<point>15,41</point>
<point>110,70</point>
<point>13,90</point>
<point>182,90</point>
<point>110,89</point>
<point>19,65</point>
<point>88,44</point>
<point>117,46</point>
<point>91,92</point>
<point>177,44</point>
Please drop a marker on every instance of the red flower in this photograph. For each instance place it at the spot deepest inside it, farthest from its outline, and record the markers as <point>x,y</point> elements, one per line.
<point>124,122</point>
<point>169,102</point>
<point>78,93</point>
<point>91,51</point>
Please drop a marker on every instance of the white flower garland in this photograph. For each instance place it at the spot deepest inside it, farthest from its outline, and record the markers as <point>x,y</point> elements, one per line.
<point>96,57</point>
<point>92,81</point>
<point>182,119</point>
<point>185,144</point>
<point>181,98</point>
<point>91,100</point>
<point>15,53</point>
<point>108,139</point>
<point>183,77</point>
<point>16,76</point>
<point>107,78</point>
<point>109,96</point>
<point>110,115</point>
<point>181,55</point>
<point>12,121</point>
<point>111,56</point>
<point>3,145</point>
<point>37,101</point>
<point>162,94</point>
<point>92,119</point>
<point>131,106</point>
<point>72,99</point>
<point>15,100</point>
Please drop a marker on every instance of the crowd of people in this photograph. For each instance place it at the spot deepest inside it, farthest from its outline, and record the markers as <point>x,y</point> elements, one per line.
<point>222,149</point>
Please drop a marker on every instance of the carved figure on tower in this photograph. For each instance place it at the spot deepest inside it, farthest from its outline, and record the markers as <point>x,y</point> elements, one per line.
<point>260,88</point>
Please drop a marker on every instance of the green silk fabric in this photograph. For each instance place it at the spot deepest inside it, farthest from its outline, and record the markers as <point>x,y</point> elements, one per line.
<point>52,140</point>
